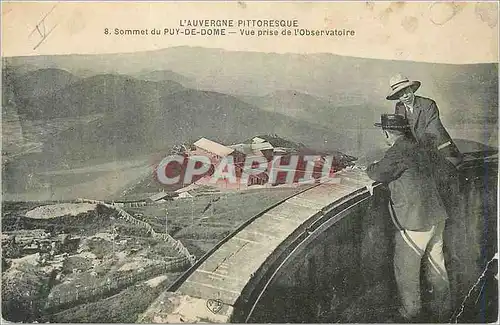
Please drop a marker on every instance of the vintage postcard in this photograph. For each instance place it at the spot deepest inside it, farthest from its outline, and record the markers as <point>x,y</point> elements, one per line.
<point>249,162</point>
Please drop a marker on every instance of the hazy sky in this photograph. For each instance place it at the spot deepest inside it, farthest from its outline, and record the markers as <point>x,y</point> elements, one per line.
<point>424,31</point>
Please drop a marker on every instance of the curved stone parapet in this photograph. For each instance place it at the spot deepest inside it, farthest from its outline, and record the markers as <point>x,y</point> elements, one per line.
<point>229,275</point>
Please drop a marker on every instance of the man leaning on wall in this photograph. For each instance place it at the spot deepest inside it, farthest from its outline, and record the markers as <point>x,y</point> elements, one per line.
<point>419,216</point>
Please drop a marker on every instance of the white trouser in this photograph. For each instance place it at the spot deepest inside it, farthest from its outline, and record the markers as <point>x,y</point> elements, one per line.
<point>411,249</point>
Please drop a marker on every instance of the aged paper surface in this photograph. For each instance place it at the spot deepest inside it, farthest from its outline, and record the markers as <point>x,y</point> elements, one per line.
<point>168,162</point>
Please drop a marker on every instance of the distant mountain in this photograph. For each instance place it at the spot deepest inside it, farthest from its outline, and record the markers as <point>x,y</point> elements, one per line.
<point>18,87</point>
<point>42,82</point>
<point>9,97</point>
<point>99,94</point>
<point>463,92</point>
<point>184,116</point>
<point>324,111</point>
<point>86,73</point>
<point>163,75</point>
<point>288,102</point>
<point>332,101</point>
<point>21,67</point>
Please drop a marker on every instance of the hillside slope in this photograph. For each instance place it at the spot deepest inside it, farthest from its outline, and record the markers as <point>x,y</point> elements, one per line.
<point>183,116</point>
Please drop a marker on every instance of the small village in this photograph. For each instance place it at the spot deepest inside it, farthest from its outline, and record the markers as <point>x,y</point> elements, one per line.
<point>264,148</point>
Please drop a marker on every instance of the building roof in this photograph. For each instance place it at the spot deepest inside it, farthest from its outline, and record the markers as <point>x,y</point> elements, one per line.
<point>213,147</point>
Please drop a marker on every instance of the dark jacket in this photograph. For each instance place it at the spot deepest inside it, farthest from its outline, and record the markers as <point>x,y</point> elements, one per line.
<point>425,119</point>
<point>408,169</point>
